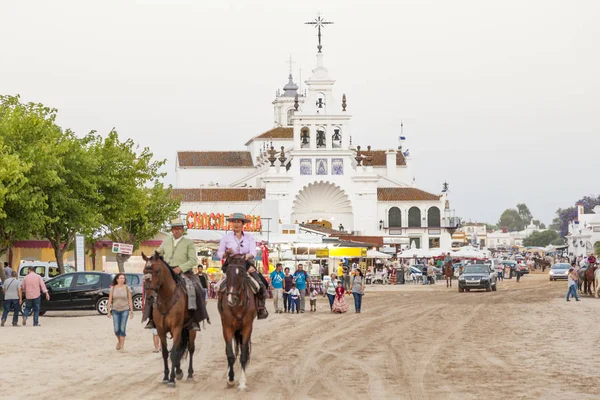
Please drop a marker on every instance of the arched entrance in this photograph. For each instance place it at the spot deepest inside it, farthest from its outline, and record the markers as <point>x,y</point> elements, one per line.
<point>323,201</point>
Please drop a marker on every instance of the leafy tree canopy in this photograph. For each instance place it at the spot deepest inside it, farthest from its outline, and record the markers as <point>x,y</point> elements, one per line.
<point>543,239</point>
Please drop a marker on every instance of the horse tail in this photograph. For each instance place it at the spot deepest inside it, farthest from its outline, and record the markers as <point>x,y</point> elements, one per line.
<point>179,352</point>
<point>238,341</point>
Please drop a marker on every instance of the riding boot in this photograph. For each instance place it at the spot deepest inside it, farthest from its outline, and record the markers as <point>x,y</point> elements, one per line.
<point>261,295</point>
<point>148,313</point>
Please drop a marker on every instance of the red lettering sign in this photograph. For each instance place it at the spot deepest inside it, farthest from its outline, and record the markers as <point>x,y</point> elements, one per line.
<point>218,221</point>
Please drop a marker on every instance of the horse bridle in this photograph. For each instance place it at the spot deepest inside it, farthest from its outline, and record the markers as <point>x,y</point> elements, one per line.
<point>158,302</point>
<point>240,287</point>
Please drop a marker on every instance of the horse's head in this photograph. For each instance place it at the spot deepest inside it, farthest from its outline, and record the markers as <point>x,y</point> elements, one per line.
<point>236,272</point>
<point>153,271</point>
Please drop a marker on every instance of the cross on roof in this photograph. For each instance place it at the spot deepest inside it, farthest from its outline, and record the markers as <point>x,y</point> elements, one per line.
<point>319,23</point>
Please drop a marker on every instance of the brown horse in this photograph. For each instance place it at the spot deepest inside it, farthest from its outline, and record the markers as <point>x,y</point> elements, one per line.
<point>448,273</point>
<point>589,280</point>
<point>237,307</point>
<point>170,316</point>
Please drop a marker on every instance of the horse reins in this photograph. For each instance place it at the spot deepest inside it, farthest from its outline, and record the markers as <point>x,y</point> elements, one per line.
<point>158,302</point>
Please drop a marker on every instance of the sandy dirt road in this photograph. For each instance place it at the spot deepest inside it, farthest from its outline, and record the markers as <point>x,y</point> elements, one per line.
<point>411,342</point>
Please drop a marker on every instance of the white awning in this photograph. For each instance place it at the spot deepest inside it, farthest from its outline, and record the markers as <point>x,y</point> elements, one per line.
<point>377,254</point>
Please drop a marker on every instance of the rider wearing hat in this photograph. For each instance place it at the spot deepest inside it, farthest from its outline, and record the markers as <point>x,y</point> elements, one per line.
<point>240,243</point>
<point>180,253</point>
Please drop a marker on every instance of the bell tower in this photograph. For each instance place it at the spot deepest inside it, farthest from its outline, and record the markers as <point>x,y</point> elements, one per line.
<point>288,102</point>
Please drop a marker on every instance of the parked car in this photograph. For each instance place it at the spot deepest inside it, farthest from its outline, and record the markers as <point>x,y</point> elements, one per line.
<point>47,270</point>
<point>559,271</point>
<point>478,276</point>
<point>78,291</point>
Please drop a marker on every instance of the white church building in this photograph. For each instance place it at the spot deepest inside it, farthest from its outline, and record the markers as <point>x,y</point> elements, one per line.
<point>309,169</point>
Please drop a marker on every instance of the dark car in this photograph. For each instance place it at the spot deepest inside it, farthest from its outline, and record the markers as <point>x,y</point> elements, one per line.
<point>477,276</point>
<point>78,291</point>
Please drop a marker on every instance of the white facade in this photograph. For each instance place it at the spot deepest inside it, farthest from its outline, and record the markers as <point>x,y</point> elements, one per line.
<point>584,232</point>
<point>318,176</point>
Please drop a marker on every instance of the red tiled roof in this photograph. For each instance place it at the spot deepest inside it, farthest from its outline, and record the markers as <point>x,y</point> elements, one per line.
<point>405,194</point>
<point>231,159</point>
<point>275,133</point>
<point>379,157</point>
<point>215,195</point>
<point>323,229</point>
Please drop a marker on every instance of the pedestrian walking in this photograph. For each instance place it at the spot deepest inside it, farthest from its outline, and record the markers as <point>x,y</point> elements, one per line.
<point>518,272</point>
<point>301,279</point>
<point>295,299</point>
<point>572,282</point>
<point>155,340</point>
<point>330,290</point>
<point>120,308</point>
<point>13,297</point>
<point>277,277</point>
<point>358,289</point>
<point>7,270</point>
<point>339,304</point>
<point>288,280</point>
<point>203,281</point>
<point>33,286</point>
<point>313,298</point>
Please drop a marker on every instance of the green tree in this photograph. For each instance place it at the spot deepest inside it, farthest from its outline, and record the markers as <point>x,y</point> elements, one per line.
<point>135,204</point>
<point>73,203</point>
<point>524,213</point>
<point>28,141</point>
<point>542,238</point>
<point>538,223</point>
<point>511,220</point>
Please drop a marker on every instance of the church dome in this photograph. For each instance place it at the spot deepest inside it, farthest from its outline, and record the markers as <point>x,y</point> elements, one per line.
<point>290,89</point>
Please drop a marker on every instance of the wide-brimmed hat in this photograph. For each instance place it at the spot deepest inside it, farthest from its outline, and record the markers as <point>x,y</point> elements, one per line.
<point>178,222</point>
<point>239,217</point>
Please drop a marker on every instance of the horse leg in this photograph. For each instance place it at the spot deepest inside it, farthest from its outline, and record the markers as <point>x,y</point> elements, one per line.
<point>191,349</point>
<point>245,356</point>
<point>228,335</point>
<point>165,355</point>
<point>176,353</point>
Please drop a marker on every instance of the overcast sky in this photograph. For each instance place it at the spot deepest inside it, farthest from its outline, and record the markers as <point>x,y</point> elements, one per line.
<point>499,98</point>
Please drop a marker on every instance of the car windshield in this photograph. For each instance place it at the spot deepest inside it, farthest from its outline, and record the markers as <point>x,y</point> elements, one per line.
<point>477,269</point>
<point>561,266</point>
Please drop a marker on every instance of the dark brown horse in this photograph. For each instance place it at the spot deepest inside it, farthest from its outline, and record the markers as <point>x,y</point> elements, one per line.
<point>170,315</point>
<point>237,306</point>
<point>589,280</point>
<point>448,273</point>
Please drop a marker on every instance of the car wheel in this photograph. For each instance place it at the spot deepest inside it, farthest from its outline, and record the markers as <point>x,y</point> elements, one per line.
<point>102,306</point>
<point>460,290</point>
<point>488,287</point>
<point>495,286</point>
<point>137,302</point>
<point>468,290</point>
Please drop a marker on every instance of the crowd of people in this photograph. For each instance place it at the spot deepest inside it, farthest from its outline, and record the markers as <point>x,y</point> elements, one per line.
<point>290,290</point>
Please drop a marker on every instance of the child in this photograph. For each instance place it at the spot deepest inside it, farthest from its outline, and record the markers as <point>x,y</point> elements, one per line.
<point>295,299</point>
<point>339,304</point>
<point>313,299</point>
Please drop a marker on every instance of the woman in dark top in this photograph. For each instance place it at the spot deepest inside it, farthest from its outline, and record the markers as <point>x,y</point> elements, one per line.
<point>288,280</point>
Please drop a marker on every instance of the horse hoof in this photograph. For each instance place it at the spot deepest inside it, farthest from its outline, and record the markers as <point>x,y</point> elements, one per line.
<point>190,378</point>
<point>241,388</point>
<point>171,384</point>
<point>230,383</point>
<point>179,376</point>
<point>165,381</point>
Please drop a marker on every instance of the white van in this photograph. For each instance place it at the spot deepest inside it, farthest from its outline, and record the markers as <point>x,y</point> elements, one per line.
<point>47,270</point>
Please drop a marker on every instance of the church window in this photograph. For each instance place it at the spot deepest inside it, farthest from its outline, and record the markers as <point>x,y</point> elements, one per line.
<point>290,114</point>
<point>414,217</point>
<point>320,139</point>
<point>321,166</point>
<point>305,166</point>
<point>394,218</point>
<point>337,166</point>
<point>304,137</point>
<point>336,139</point>
<point>433,217</point>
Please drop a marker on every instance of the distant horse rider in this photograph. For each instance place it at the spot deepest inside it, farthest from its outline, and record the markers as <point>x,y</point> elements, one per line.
<point>180,253</point>
<point>240,243</point>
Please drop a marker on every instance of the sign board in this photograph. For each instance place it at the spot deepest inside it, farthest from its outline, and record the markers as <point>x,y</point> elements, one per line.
<point>322,253</point>
<point>348,252</point>
<point>80,252</point>
<point>122,248</point>
<point>218,222</point>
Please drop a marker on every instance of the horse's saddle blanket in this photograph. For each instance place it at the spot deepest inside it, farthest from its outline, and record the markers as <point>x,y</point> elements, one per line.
<point>254,286</point>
